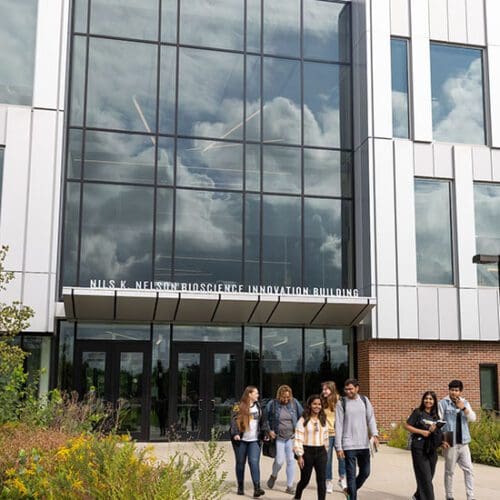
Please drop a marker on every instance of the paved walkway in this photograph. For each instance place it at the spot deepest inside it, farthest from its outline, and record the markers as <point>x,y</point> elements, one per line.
<point>391,478</point>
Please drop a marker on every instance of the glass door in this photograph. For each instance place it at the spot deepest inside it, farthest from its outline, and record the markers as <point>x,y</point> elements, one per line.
<point>118,372</point>
<point>206,382</point>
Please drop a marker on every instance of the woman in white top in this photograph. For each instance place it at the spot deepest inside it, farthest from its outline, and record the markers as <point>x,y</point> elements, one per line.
<point>311,444</point>
<point>248,428</point>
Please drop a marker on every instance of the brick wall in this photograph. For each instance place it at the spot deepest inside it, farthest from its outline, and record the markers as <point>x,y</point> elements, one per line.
<point>395,373</point>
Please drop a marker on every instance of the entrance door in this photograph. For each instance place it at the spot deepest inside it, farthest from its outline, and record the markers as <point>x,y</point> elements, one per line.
<point>118,372</point>
<point>206,381</point>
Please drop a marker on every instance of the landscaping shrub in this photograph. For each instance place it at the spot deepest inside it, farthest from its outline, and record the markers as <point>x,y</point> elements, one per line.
<point>112,468</point>
<point>485,434</point>
<point>398,437</point>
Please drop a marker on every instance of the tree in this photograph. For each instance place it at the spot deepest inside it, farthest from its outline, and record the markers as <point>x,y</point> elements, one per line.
<point>14,318</point>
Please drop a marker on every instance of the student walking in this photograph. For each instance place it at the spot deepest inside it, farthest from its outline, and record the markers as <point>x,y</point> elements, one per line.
<point>282,414</point>
<point>425,440</point>
<point>311,443</point>
<point>248,428</point>
<point>354,426</point>
<point>457,412</point>
<point>329,398</point>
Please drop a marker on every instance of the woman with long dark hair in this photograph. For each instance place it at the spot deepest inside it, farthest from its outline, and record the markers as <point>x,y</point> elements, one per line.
<point>311,443</point>
<point>329,398</point>
<point>248,428</point>
<point>425,440</point>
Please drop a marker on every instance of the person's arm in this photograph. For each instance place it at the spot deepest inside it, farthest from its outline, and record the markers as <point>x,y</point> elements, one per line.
<point>298,445</point>
<point>416,430</point>
<point>326,437</point>
<point>468,411</point>
<point>234,431</point>
<point>267,417</point>
<point>339,424</point>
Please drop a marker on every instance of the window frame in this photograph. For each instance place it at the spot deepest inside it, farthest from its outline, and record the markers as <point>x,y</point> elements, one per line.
<point>409,81</point>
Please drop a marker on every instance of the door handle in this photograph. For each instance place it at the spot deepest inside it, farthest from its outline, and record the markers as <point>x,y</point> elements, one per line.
<point>212,403</point>
<point>200,403</point>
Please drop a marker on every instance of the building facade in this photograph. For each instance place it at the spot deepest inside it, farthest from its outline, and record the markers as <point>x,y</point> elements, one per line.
<point>203,195</point>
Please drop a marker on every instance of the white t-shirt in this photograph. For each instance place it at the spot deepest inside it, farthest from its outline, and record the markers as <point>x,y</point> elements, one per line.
<point>251,433</point>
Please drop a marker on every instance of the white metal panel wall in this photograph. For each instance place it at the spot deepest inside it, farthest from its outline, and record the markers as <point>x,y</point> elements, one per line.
<point>475,22</point>
<point>428,313</point>
<point>469,314</point>
<point>387,312</point>
<point>381,69</point>
<point>457,21</point>
<point>407,312</point>
<point>448,313</point>
<point>495,165</point>
<point>489,320</point>
<point>421,71</point>
<point>15,185</point>
<point>400,18</point>
<point>464,210</point>
<point>481,163</point>
<point>33,138</point>
<point>405,213</point>
<point>438,19</point>
<point>48,59</point>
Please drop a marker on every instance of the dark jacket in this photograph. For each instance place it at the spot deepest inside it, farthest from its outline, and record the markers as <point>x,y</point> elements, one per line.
<point>273,413</point>
<point>262,428</point>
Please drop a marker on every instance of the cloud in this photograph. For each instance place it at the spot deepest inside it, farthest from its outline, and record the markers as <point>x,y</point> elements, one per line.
<point>459,114</point>
<point>399,114</point>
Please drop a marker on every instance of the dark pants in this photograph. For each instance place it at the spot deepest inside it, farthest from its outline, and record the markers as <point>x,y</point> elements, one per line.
<point>244,450</point>
<point>361,458</point>
<point>424,465</point>
<point>314,457</point>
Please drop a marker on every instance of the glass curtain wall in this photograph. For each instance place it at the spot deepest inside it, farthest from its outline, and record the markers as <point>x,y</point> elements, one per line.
<point>209,141</point>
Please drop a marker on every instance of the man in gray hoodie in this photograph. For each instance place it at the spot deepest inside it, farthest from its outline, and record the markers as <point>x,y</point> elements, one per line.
<point>354,426</point>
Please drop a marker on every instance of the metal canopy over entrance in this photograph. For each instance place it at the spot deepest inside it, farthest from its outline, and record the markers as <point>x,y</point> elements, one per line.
<point>218,308</point>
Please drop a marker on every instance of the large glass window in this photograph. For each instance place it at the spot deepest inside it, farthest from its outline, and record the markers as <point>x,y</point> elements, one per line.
<point>488,380</point>
<point>457,94</point>
<point>399,71</point>
<point>281,360</point>
<point>160,376</point>
<point>208,227</point>
<point>38,361</point>
<point>487,215</point>
<point>433,232</point>
<point>199,133</point>
<point>116,233</point>
<point>327,357</point>
<point>121,91</point>
<point>17,54</point>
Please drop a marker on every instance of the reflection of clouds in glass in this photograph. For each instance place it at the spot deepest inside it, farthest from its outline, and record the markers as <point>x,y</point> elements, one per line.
<point>121,85</point>
<point>281,27</point>
<point>209,164</point>
<point>323,38</point>
<point>212,23</point>
<point>399,114</point>
<point>210,93</point>
<point>433,232</point>
<point>487,211</point>
<point>117,228</point>
<point>119,157</point>
<point>17,53</point>
<point>323,241</point>
<point>126,18</point>
<point>458,108</point>
<point>208,236</point>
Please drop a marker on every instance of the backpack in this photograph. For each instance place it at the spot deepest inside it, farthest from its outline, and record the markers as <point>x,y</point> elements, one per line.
<point>363,398</point>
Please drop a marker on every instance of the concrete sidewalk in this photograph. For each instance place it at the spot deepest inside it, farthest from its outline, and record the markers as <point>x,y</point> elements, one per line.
<point>391,478</point>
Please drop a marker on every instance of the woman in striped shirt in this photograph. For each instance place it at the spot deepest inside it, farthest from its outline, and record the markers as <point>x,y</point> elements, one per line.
<point>311,444</point>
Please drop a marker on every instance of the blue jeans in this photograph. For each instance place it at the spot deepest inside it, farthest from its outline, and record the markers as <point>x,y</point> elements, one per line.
<point>329,462</point>
<point>284,452</point>
<point>244,450</point>
<point>362,459</point>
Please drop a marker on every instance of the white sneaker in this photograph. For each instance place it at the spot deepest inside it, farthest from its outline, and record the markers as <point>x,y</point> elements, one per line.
<point>329,486</point>
<point>342,484</point>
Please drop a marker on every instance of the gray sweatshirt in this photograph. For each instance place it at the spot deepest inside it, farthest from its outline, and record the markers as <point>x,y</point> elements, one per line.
<point>354,429</point>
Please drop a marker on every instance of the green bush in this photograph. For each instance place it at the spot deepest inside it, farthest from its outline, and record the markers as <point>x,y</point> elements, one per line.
<point>112,468</point>
<point>398,437</point>
<point>485,434</point>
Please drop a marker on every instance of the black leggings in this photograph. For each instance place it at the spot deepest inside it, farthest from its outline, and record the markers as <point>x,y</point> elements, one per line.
<point>314,457</point>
